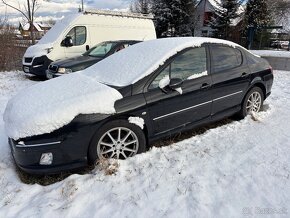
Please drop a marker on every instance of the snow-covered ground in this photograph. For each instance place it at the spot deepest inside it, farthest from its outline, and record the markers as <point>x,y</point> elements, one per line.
<point>272,53</point>
<point>240,169</point>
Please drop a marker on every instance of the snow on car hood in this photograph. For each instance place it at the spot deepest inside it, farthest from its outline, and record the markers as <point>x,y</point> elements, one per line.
<point>50,105</point>
<point>37,50</point>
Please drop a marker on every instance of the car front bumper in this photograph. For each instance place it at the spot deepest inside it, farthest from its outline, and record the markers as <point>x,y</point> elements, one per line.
<point>69,152</point>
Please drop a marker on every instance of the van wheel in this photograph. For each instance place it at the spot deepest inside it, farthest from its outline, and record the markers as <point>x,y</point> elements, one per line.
<point>118,139</point>
<point>253,102</point>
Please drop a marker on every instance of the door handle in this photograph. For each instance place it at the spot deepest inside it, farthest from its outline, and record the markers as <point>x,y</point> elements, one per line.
<point>205,86</point>
<point>87,47</point>
<point>244,74</point>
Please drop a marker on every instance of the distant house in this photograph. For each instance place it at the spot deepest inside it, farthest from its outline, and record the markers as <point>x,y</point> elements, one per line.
<point>39,29</point>
<point>205,11</point>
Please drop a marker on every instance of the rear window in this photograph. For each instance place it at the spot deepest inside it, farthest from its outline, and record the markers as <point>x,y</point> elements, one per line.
<point>225,58</point>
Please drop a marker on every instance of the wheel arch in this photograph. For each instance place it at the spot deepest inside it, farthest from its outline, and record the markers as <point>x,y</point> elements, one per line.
<point>115,118</point>
<point>257,83</point>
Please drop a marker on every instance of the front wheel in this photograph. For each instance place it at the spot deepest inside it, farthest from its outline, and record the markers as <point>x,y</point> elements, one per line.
<point>253,102</point>
<point>117,139</point>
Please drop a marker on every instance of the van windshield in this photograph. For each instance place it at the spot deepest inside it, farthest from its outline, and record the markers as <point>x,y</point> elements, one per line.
<point>100,50</point>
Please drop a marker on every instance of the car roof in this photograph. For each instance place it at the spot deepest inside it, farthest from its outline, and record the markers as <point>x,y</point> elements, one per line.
<point>135,62</point>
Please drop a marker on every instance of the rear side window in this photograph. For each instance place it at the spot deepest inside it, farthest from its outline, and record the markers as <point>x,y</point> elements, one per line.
<point>225,58</point>
<point>78,34</point>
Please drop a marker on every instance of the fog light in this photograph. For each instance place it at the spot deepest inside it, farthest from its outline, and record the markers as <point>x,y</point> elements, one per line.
<point>46,159</point>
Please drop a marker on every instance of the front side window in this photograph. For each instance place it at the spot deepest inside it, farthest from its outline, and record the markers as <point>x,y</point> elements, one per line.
<point>78,35</point>
<point>186,66</point>
<point>225,58</point>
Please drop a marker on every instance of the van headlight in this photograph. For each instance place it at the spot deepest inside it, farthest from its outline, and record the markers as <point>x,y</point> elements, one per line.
<point>64,70</point>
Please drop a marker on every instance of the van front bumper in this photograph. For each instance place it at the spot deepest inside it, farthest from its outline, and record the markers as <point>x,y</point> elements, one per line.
<point>38,66</point>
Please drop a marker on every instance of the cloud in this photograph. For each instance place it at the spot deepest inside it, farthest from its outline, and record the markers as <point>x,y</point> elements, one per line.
<point>54,9</point>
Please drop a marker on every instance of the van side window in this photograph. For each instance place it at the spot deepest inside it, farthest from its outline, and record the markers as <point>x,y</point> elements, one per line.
<point>78,34</point>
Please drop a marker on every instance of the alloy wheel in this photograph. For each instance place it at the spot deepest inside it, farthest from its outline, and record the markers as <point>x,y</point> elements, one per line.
<point>118,143</point>
<point>254,103</point>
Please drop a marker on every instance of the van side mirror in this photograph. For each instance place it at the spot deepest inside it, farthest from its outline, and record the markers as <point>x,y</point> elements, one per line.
<point>175,83</point>
<point>67,42</point>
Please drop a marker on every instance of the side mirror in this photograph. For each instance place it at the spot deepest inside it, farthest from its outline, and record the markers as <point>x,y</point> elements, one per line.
<point>175,83</point>
<point>67,42</point>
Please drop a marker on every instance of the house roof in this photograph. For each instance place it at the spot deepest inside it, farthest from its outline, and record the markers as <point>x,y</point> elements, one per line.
<point>37,26</point>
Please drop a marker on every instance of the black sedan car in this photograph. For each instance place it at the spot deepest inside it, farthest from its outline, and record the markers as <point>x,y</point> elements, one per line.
<point>92,56</point>
<point>119,106</point>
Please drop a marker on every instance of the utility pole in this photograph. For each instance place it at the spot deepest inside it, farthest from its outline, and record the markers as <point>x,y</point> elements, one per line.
<point>82,5</point>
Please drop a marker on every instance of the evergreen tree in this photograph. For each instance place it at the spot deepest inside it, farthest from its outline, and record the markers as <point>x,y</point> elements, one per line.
<point>140,6</point>
<point>224,15</point>
<point>257,15</point>
<point>173,17</point>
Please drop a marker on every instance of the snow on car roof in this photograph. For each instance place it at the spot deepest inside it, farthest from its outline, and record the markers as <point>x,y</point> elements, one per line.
<point>136,62</point>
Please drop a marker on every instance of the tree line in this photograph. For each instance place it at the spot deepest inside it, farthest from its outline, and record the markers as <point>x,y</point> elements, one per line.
<point>177,17</point>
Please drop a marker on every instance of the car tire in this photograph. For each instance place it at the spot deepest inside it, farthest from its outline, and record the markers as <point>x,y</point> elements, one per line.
<point>253,102</point>
<point>115,139</point>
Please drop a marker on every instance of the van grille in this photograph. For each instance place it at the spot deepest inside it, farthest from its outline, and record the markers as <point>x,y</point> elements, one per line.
<point>53,68</point>
<point>28,60</point>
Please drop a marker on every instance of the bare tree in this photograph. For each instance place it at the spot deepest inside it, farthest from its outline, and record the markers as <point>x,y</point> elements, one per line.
<point>10,53</point>
<point>27,10</point>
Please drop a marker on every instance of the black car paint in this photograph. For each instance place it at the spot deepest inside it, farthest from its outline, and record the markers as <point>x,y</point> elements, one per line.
<point>150,104</point>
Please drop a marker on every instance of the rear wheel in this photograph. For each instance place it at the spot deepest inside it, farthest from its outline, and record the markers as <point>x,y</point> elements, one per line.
<point>253,102</point>
<point>118,139</point>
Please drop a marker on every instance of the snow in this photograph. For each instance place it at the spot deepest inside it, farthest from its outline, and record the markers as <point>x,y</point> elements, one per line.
<point>236,170</point>
<point>272,53</point>
<point>51,37</point>
<point>137,121</point>
<point>143,58</point>
<point>164,82</point>
<point>56,31</point>
<point>52,104</point>
<point>197,75</point>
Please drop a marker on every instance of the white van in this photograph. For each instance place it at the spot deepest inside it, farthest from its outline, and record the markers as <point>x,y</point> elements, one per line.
<point>76,33</point>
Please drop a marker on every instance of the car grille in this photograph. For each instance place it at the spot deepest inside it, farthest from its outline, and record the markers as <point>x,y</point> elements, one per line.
<point>53,68</point>
<point>28,60</point>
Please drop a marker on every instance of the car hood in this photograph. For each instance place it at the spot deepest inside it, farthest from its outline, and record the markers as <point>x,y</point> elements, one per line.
<point>77,61</point>
<point>52,104</point>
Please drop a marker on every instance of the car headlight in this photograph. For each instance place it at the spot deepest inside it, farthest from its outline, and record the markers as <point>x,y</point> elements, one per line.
<point>64,70</point>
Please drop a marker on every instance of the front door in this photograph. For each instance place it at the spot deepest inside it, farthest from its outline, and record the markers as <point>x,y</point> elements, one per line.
<point>170,109</point>
<point>80,40</point>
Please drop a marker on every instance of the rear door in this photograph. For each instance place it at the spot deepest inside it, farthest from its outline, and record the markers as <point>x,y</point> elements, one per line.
<point>230,77</point>
<point>171,109</point>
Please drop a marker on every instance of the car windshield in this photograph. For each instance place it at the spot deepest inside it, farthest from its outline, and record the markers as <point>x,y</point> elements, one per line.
<point>101,49</point>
